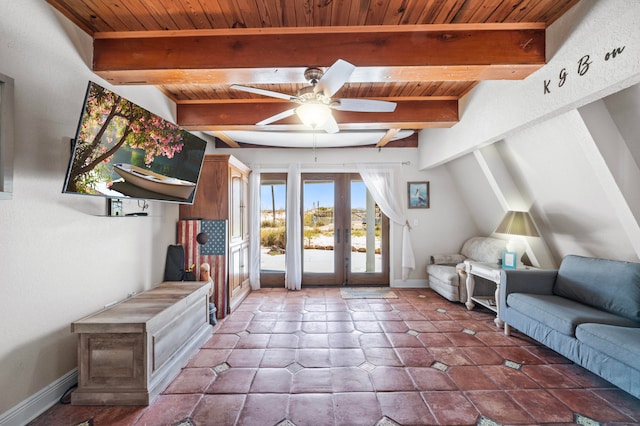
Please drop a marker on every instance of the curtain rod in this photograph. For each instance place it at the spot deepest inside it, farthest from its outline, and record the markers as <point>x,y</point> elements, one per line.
<point>377,163</point>
<point>383,163</point>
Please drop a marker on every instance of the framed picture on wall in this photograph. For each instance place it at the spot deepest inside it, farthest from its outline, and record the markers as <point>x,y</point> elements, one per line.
<point>509,260</point>
<point>418,195</point>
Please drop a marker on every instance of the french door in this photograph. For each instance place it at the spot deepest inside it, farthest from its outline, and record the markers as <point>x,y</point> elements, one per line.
<point>345,235</point>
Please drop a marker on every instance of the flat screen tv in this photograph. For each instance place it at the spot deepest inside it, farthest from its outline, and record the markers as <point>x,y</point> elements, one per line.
<point>121,150</point>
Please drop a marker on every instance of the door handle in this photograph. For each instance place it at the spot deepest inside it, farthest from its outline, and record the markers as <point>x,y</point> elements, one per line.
<point>338,236</point>
<point>346,235</point>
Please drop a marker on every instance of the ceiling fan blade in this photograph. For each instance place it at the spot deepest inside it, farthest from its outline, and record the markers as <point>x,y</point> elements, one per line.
<point>331,125</point>
<point>280,116</point>
<point>263,92</point>
<point>364,105</point>
<point>334,78</point>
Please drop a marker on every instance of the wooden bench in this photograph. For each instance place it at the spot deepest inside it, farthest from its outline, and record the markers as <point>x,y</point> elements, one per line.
<point>128,353</point>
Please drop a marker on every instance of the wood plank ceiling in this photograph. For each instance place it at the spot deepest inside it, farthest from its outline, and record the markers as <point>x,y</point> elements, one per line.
<point>422,54</point>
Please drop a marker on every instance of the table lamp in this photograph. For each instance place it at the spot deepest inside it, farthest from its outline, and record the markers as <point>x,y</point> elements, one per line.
<point>517,224</point>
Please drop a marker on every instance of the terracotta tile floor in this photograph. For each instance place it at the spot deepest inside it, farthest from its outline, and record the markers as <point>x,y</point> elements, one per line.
<point>313,358</point>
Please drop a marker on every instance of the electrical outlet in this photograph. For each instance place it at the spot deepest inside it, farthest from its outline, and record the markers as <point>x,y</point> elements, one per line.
<point>114,207</point>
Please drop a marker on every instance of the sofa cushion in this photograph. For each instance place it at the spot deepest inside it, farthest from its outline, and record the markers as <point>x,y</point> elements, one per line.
<point>447,259</point>
<point>483,249</point>
<point>610,285</point>
<point>446,273</point>
<point>621,343</point>
<point>562,314</point>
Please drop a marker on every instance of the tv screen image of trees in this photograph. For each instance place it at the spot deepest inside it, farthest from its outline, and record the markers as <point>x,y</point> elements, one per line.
<point>121,150</point>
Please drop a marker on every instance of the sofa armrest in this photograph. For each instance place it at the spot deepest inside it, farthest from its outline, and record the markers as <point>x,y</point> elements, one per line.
<point>451,259</point>
<point>532,281</point>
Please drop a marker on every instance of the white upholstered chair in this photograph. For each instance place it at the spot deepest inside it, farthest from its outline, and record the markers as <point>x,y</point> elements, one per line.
<point>447,273</point>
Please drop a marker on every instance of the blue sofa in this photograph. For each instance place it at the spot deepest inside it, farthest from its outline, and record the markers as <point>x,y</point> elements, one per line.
<point>588,311</point>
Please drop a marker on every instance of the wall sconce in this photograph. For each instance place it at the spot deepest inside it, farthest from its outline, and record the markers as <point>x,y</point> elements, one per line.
<point>517,224</point>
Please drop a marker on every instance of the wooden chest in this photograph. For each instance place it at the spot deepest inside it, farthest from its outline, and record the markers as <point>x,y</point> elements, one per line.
<point>130,352</point>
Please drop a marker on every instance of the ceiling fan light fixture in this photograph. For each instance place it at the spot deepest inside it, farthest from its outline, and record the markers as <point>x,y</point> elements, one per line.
<point>316,100</point>
<point>313,114</point>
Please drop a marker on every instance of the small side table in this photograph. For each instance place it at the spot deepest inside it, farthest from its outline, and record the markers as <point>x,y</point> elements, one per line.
<point>490,271</point>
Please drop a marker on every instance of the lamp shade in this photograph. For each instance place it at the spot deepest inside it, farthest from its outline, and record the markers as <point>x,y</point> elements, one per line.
<point>517,223</point>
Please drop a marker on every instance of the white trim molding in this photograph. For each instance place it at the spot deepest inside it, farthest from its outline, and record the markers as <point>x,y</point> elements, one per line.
<point>7,90</point>
<point>415,283</point>
<point>39,402</point>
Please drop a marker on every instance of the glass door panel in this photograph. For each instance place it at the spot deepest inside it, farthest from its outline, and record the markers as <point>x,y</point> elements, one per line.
<point>369,238</point>
<point>273,226</point>
<point>366,236</point>
<point>236,207</point>
<point>345,234</point>
<point>320,254</point>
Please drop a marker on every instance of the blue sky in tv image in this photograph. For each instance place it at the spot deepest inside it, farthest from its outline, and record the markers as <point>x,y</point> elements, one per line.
<point>124,151</point>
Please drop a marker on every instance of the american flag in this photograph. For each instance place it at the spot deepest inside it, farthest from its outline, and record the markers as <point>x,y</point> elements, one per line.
<point>194,257</point>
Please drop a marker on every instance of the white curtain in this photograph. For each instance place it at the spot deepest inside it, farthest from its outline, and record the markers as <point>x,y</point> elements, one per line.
<point>383,183</point>
<point>254,227</point>
<point>293,254</point>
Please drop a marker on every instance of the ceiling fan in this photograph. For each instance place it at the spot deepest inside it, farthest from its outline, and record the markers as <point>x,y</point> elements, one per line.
<point>315,100</point>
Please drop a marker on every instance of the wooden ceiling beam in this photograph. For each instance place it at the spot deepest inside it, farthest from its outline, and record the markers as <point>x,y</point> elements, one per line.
<point>381,53</point>
<point>220,116</point>
<point>387,137</point>
<point>280,75</point>
<point>226,139</point>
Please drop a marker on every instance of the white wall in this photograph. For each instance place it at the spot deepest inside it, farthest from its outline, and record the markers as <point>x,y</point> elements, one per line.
<point>571,155</point>
<point>571,204</point>
<point>623,128</point>
<point>623,107</point>
<point>442,228</point>
<point>497,109</point>
<point>60,257</point>
<point>476,192</point>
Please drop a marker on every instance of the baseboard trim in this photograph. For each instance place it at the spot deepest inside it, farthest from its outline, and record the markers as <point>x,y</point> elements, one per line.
<point>39,402</point>
<point>410,284</point>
